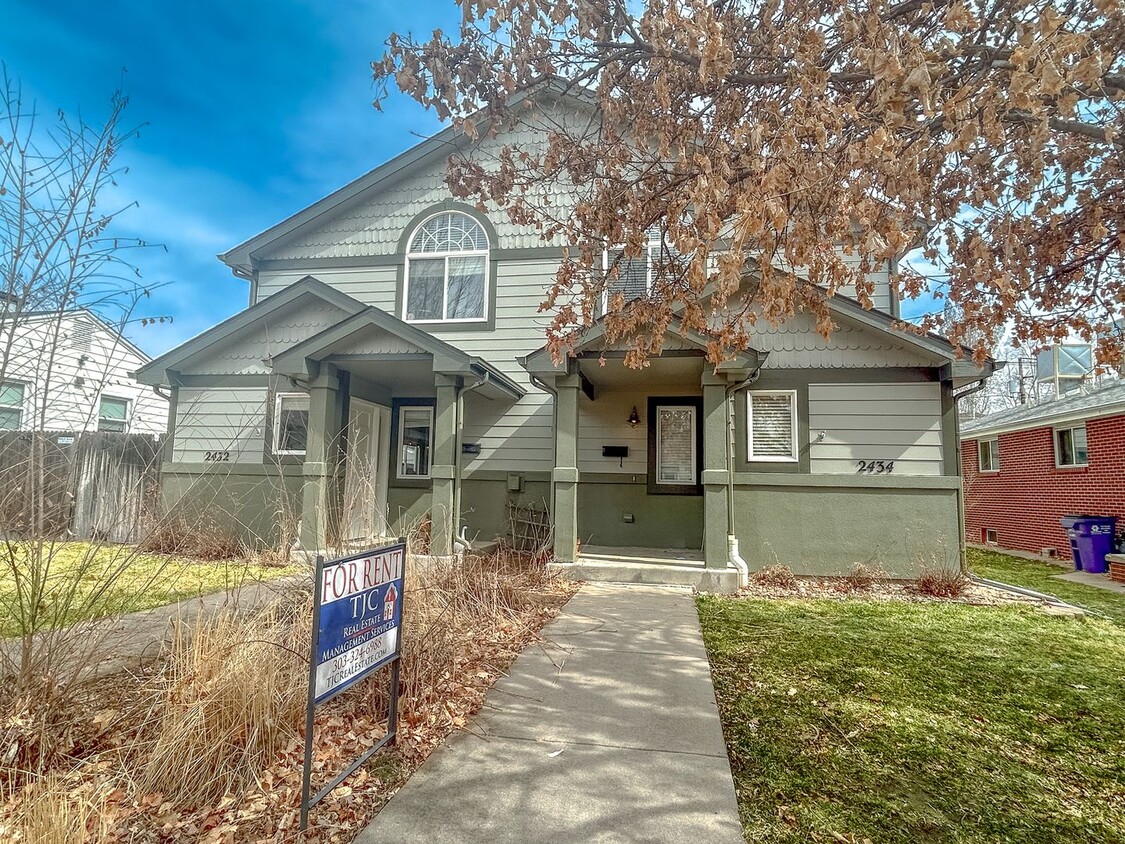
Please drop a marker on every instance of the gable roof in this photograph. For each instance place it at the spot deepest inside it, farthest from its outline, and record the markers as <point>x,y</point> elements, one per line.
<point>156,371</point>
<point>1108,400</point>
<point>241,257</point>
<point>91,315</point>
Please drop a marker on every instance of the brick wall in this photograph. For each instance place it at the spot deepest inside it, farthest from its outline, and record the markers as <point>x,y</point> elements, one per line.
<point>1024,501</point>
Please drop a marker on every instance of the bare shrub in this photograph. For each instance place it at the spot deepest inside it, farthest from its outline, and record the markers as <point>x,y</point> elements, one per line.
<point>775,576</point>
<point>863,577</point>
<point>942,583</point>
<point>203,538</point>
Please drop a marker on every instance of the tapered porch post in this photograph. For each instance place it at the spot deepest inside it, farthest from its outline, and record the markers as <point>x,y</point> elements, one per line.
<point>322,453</point>
<point>714,476</point>
<point>564,476</point>
<point>443,468</point>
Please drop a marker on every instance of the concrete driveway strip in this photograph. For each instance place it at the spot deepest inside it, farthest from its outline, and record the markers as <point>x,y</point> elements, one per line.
<point>606,731</point>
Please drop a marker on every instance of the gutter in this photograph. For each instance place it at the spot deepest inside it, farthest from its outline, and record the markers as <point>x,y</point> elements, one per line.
<point>554,394</point>
<point>734,558</point>
<point>962,519</point>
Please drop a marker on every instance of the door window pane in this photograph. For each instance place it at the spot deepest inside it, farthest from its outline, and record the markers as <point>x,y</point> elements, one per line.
<point>675,445</point>
<point>415,426</point>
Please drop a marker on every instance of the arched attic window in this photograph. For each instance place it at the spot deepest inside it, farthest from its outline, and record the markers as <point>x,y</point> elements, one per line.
<point>447,270</point>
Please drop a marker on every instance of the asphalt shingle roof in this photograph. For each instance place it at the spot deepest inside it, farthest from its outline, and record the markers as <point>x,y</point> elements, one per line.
<point>1081,404</point>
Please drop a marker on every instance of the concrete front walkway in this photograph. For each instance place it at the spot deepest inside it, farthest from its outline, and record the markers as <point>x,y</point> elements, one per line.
<point>607,731</point>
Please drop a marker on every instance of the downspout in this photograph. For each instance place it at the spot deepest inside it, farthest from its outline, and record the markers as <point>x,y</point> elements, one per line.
<point>962,518</point>
<point>459,540</point>
<point>734,558</point>
<point>551,391</point>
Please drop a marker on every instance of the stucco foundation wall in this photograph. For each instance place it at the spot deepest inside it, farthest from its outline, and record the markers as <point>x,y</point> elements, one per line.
<point>661,521</point>
<point>826,530</point>
<point>246,505</point>
<point>484,505</point>
<point>1024,501</point>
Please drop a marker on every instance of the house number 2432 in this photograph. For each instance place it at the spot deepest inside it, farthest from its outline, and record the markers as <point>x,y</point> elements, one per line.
<point>874,467</point>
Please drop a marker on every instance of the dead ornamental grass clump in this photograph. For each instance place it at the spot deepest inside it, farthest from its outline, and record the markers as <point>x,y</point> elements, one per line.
<point>232,696</point>
<point>862,578</point>
<point>776,577</point>
<point>53,811</point>
<point>942,583</point>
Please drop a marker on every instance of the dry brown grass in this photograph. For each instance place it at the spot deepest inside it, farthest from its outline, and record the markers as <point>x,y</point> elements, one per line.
<point>52,811</point>
<point>776,576</point>
<point>202,538</point>
<point>862,578</point>
<point>942,583</point>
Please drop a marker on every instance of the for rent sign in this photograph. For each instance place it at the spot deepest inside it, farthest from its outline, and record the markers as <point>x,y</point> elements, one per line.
<point>357,612</point>
<point>359,616</point>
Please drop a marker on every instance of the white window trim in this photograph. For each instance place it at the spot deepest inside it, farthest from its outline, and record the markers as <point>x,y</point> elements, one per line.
<point>770,458</point>
<point>472,253</point>
<point>1055,440</point>
<point>18,408</point>
<point>985,470</point>
<point>277,425</point>
<point>402,408</point>
<point>694,439</point>
<point>128,407</point>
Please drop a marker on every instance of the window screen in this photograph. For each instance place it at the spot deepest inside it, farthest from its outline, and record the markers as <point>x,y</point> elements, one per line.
<point>989,455</point>
<point>675,445</point>
<point>772,426</point>
<point>291,425</point>
<point>415,433</point>
<point>113,414</point>
<point>1070,446</point>
<point>11,406</point>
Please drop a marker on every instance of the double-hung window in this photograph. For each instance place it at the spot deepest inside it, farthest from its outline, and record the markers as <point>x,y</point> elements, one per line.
<point>11,405</point>
<point>416,440</point>
<point>291,424</point>
<point>771,425</point>
<point>447,271</point>
<point>635,278</point>
<point>1070,447</point>
<point>989,455</point>
<point>113,414</point>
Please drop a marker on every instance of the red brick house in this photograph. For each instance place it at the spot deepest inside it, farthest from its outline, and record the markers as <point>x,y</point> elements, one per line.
<point>1027,467</point>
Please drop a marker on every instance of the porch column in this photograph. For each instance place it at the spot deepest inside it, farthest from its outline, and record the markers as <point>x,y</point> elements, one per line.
<point>564,476</point>
<point>322,453</point>
<point>714,475</point>
<point>443,466</point>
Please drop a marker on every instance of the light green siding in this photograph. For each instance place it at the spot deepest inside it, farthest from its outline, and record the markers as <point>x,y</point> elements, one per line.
<point>223,419</point>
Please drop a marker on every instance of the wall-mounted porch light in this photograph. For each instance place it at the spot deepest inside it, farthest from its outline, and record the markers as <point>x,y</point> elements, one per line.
<point>634,419</point>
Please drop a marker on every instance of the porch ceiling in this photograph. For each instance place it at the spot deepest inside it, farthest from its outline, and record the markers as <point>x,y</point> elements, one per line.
<point>666,369</point>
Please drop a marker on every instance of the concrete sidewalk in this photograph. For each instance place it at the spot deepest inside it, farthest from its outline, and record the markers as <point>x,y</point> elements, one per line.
<point>607,731</point>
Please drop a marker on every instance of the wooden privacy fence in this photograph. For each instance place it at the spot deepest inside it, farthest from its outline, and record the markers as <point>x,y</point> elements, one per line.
<point>78,485</point>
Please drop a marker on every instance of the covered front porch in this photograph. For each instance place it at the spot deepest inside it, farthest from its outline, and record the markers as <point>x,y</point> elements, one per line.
<point>385,413</point>
<point>640,477</point>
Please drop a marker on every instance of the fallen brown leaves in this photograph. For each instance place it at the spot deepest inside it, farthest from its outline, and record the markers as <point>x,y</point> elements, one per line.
<point>464,628</point>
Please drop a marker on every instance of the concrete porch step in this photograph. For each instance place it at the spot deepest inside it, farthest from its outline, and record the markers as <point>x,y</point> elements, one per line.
<point>658,572</point>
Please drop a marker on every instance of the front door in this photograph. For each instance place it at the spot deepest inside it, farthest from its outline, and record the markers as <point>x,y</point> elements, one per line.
<point>365,482</point>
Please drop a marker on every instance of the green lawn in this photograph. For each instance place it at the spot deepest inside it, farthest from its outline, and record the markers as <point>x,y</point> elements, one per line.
<point>75,581</point>
<point>896,722</point>
<point>1039,576</point>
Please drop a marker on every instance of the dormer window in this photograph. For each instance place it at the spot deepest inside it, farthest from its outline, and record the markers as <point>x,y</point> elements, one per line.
<point>447,271</point>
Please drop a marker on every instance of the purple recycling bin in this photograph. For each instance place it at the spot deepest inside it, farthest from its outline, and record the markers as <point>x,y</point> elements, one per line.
<point>1095,540</point>
<point>1068,523</point>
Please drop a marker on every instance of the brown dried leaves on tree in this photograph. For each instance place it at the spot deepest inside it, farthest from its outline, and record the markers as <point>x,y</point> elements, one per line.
<point>833,137</point>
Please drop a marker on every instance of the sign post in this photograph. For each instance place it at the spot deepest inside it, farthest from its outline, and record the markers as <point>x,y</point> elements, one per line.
<point>357,619</point>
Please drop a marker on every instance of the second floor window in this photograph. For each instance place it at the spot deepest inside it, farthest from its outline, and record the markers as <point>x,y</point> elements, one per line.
<point>113,414</point>
<point>447,271</point>
<point>11,406</point>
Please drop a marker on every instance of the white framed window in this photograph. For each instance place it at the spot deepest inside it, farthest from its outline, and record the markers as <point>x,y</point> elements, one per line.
<point>1070,447</point>
<point>11,405</point>
<point>675,445</point>
<point>113,414</point>
<point>291,424</point>
<point>988,452</point>
<point>771,425</point>
<point>446,277</point>
<point>416,440</point>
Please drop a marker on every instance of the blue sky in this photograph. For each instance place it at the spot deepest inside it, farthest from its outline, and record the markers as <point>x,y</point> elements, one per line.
<point>254,110</point>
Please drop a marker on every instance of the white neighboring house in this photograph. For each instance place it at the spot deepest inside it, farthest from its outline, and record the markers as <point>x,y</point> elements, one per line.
<point>74,372</point>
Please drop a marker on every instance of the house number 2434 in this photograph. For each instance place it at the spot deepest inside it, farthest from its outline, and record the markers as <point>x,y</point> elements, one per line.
<point>874,467</point>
